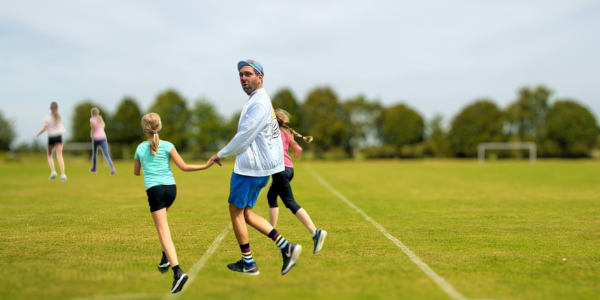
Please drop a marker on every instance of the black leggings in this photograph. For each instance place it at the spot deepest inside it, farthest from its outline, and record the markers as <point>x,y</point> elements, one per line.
<point>281,187</point>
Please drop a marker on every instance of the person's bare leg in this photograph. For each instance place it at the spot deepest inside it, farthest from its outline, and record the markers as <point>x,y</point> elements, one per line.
<point>273,216</point>
<point>256,221</point>
<point>59,157</point>
<point>164,234</point>
<point>303,216</point>
<point>50,159</point>
<point>239,224</point>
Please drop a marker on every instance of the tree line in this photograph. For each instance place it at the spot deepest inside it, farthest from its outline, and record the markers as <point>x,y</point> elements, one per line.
<point>362,127</point>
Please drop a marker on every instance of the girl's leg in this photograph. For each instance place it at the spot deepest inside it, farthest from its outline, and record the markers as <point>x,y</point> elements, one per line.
<point>164,234</point>
<point>273,207</point>
<point>59,157</point>
<point>94,154</point>
<point>273,216</point>
<point>50,159</point>
<point>303,216</point>
<point>104,146</point>
<point>285,192</point>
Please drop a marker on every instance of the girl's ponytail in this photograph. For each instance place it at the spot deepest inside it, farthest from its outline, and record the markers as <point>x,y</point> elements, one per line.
<point>151,125</point>
<point>154,144</point>
<point>284,117</point>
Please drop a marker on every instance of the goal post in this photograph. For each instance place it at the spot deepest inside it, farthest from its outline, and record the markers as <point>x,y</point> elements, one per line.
<point>507,146</point>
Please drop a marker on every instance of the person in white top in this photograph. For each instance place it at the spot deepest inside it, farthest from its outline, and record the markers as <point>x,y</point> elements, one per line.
<point>259,154</point>
<point>53,124</point>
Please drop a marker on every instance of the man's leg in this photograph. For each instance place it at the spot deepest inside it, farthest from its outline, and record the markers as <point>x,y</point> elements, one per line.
<point>246,265</point>
<point>239,224</point>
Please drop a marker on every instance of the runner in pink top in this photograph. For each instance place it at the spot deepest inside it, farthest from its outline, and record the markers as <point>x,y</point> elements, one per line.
<point>281,183</point>
<point>99,139</point>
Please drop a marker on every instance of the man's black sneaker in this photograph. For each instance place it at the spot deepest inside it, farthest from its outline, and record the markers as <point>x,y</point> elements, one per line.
<point>163,265</point>
<point>179,280</point>
<point>241,267</point>
<point>290,256</point>
<point>319,239</point>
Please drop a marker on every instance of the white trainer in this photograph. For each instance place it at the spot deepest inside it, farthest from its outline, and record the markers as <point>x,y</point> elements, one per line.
<point>63,177</point>
<point>52,175</point>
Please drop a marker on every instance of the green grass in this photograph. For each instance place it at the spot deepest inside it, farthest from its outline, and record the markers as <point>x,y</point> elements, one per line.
<point>499,231</point>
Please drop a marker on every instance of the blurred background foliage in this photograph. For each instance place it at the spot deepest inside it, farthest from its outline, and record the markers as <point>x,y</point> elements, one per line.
<point>357,127</point>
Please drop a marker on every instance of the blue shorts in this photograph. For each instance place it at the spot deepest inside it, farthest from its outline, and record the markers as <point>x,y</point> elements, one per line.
<point>244,190</point>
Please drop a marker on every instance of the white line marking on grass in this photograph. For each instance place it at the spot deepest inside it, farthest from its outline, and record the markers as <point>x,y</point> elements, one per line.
<point>192,275</point>
<point>200,264</point>
<point>442,284</point>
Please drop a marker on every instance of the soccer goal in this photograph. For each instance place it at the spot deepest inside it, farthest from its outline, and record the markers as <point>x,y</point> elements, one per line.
<point>507,146</point>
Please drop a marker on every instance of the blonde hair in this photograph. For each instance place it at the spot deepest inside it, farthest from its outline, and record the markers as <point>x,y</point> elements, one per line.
<point>54,109</point>
<point>95,111</point>
<point>284,117</point>
<point>151,125</point>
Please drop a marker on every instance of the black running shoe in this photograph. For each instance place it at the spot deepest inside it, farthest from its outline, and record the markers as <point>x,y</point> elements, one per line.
<point>179,280</point>
<point>164,262</point>
<point>319,239</point>
<point>241,267</point>
<point>290,256</point>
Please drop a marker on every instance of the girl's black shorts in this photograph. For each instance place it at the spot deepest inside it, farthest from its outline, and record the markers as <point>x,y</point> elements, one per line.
<point>54,140</point>
<point>161,196</point>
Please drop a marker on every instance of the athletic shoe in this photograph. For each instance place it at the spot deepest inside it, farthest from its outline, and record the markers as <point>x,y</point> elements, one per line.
<point>112,171</point>
<point>92,170</point>
<point>163,265</point>
<point>319,239</point>
<point>241,267</point>
<point>290,256</point>
<point>179,280</point>
<point>52,175</point>
<point>63,177</point>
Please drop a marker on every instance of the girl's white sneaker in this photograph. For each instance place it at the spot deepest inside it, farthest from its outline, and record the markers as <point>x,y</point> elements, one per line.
<point>52,175</point>
<point>63,177</point>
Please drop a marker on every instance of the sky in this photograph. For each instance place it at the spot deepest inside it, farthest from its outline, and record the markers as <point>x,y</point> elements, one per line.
<point>434,56</point>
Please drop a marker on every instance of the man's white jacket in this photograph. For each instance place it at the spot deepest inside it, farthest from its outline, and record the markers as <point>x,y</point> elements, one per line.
<point>257,143</point>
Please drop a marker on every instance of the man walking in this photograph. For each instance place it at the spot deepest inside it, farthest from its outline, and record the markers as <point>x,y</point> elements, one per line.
<point>259,154</point>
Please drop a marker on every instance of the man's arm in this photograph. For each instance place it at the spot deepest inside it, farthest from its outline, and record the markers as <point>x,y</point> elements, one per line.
<point>248,130</point>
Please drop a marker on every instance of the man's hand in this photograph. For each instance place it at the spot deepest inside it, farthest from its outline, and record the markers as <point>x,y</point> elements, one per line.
<point>216,159</point>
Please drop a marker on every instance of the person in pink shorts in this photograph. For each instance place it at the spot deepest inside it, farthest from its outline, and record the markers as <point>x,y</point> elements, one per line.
<point>99,139</point>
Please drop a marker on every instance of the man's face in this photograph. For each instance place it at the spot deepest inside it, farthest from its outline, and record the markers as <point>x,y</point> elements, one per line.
<point>249,80</point>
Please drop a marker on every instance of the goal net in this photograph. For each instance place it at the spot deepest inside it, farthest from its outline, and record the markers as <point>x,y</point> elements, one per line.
<point>507,146</point>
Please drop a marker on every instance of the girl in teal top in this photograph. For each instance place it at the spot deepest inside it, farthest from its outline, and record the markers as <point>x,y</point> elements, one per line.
<point>152,156</point>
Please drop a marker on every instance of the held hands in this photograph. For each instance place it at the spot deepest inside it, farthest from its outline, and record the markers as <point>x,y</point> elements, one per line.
<point>215,159</point>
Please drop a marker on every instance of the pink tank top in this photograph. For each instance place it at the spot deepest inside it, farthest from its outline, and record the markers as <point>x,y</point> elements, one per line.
<point>285,138</point>
<point>97,133</point>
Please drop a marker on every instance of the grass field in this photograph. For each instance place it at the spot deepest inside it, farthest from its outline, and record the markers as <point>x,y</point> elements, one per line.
<point>504,231</point>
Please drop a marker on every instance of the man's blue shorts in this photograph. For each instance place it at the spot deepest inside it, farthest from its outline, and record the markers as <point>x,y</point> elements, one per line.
<point>244,190</point>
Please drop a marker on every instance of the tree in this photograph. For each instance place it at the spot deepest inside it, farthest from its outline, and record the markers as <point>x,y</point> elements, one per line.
<point>322,117</point>
<point>285,100</point>
<point>81,129</point>
<point>230,128</point>
<point>402,125</point>
<point>476,123</point>
<point>171,108</point>
<point>363,119</point>
<point>205,130</point>
<point>126,125</point>
<point>527,115</point>
<point>437,138</point>
<point>7,133</point>
<point>573,127</point>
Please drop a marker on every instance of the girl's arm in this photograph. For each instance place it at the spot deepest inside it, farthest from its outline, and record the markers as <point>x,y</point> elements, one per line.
<point>137,167</point>
<point>45,127</point>
<point>188,168</point>
<point>297,149</point>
